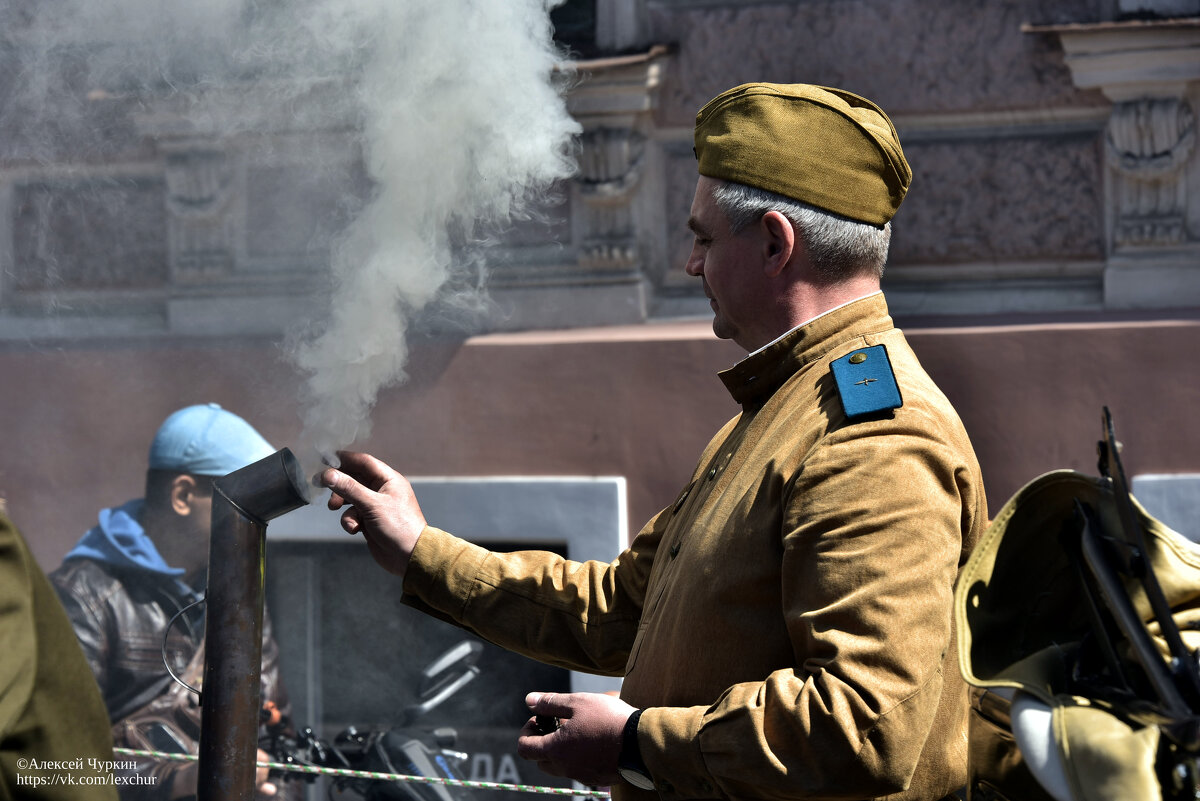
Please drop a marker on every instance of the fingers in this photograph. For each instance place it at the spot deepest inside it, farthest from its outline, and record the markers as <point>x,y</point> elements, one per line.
<point>532,745</point>
<point>351,523</point>
<point>536,735</point>
<point>381,506</point>
<point>368,470</point>
<point>345,488</point>
<point>574,734</point>
<point>356,480</point>
<point>555,705</point>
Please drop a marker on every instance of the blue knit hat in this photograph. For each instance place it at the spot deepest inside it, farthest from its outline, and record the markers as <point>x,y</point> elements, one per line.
<point>206,440</point>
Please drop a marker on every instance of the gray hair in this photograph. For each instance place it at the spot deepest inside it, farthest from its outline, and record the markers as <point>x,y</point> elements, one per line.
<point>838,248</point>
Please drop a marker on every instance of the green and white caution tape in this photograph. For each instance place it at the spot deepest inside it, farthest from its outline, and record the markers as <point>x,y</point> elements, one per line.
<point>344,773</point>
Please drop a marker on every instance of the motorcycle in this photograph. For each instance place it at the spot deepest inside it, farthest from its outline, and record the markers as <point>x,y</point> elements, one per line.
<point>401,749</point>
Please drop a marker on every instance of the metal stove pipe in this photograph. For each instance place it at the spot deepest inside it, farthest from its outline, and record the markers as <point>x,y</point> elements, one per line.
<point>243,502</point>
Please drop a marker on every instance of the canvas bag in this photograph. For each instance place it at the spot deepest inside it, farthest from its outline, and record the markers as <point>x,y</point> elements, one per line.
<point>1024,627</point>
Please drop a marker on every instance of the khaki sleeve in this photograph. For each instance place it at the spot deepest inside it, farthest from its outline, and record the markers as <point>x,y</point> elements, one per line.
<point>16,630</point>
<point>50,708</point>
<point>577,615</point>
<point>871,543</point>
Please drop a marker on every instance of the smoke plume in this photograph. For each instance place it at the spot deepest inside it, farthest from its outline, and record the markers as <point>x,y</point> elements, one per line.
<point>457,112</point>
<point>462,126</point>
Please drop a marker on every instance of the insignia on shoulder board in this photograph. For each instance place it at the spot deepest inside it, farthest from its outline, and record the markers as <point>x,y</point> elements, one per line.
<point>866,382</point>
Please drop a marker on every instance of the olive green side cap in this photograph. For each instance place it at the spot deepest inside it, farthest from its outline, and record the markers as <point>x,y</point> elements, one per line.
<point>824,147</point>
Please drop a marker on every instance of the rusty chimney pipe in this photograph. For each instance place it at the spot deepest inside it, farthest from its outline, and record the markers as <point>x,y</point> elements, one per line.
<point>243,502</point>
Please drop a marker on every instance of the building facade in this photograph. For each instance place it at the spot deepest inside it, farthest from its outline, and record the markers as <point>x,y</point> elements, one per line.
<point>158,245</point>
<point>164,239</point>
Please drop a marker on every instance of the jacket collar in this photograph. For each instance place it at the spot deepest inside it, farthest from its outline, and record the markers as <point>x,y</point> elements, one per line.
<point>755,378</point>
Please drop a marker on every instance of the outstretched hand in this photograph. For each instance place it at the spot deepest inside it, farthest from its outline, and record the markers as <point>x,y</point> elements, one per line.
<point>382,507</point>
<point>587,742</point>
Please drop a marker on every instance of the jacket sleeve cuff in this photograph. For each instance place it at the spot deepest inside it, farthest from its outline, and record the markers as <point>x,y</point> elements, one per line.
<point>442,571</point>
<point>669,739</point>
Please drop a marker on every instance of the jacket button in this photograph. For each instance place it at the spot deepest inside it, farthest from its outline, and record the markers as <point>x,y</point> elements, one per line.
<point>712,474</point>
<point>675,550</point>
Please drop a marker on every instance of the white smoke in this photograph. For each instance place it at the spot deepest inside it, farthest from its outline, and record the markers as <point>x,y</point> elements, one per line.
<point>459,117</point>
<point>462,124</point>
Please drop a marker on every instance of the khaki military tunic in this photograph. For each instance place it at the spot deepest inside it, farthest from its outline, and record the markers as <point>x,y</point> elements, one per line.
<point>787,622</point>
<point>54,729</point>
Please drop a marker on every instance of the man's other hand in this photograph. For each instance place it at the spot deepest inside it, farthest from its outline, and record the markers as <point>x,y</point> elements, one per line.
<point>382,508</point>
<point>587,742</point>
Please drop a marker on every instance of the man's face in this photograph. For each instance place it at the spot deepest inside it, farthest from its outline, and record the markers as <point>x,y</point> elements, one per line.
<point>728,268</point>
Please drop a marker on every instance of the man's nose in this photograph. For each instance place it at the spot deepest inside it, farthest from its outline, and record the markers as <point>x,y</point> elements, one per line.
<point>695,264</point>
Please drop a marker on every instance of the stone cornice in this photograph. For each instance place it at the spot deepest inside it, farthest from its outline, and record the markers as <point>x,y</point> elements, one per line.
<point>1130,59</point>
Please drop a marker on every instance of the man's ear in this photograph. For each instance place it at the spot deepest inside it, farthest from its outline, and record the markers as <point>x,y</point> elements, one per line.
<point>779,242</point>
<point>183,492</point>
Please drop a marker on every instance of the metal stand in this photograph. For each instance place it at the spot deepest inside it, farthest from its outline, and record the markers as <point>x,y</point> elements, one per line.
<point>243,502</point>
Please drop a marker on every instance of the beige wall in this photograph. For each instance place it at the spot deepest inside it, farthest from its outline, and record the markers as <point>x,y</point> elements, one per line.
<point>637,401</point>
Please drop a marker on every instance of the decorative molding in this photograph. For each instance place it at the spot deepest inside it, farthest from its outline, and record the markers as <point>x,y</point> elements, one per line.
<point>1148,143</point>
<point>962,125</point>
<point>611,167</point>
<point>1150,139</point>
<point>201,229</point>
<point>1132,59</point>
<point>1148,69</point>
<point>614,103</point>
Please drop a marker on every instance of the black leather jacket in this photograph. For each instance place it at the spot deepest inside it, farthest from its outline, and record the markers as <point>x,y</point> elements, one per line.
<point>119,616</point>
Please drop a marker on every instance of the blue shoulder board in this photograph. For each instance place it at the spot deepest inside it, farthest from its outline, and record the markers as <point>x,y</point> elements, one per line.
<point>866,382</point>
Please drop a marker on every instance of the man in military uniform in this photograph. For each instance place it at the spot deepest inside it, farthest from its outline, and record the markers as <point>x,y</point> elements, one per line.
<point>784,628</point>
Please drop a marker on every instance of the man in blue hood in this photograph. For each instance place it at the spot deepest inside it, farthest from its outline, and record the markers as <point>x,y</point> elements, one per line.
<point>130,587</point>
